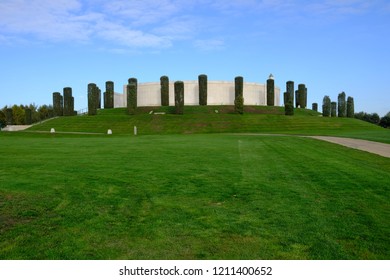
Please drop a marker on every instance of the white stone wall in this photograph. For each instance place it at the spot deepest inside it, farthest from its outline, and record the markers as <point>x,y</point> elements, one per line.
<point>218,93</point>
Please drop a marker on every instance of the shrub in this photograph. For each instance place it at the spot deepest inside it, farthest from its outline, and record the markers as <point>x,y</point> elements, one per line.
<point>289,109</point>
<point>350,107</point>
<point>131,98</point>
<point>109,95</point>
<point>333,110</point>
<point>314,107</point>
<point>270,92</point>
<point>239,104</point>
<point>342,106</point>
<point>326,106</point>
<point>202,80</point>
<point>179,97</point>
<point>371,118</point>
<point>164,83</point>
<point>57,104</point>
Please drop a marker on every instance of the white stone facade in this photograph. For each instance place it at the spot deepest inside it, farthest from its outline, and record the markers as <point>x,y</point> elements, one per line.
<point>218,93</point>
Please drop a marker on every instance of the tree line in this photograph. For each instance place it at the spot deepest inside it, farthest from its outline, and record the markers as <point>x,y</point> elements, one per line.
<point>24,114</point>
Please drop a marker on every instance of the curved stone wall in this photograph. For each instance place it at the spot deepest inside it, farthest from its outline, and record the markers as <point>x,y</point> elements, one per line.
<point>218,93</point>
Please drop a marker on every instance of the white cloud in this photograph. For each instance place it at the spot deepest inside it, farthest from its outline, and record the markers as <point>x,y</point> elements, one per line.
<point>209,45</point>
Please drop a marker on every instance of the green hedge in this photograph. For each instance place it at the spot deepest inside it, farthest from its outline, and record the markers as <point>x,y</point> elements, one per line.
<point>164,83</point>
<point>301,95</point>
<point>57,104</point>
<point>314,107</point>
<point>350,107</point>
<point>238,86</point>
<point>239,104</point>
<point>326,106</point>
<point>179,97</point>
<point>333,110</point>
<point>131,98</point>
<point>289,109</point>
<point>109,95</point>
<point>297,99</point>
<point>270,92</point>
<point>290,92</point>
<point>202,81</point>
<point>342,106</point>
<point>92,99</point>
<point>68,102</point>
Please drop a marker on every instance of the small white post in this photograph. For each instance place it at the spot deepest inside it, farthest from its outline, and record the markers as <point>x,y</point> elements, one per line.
<point>52,130</point>
<point>135,130</point>
<point>109,132</point>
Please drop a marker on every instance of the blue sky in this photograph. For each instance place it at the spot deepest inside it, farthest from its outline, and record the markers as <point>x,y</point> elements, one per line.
<point>331,46</point>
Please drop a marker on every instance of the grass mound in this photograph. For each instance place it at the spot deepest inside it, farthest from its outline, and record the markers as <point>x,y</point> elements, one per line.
<point>216,119</point>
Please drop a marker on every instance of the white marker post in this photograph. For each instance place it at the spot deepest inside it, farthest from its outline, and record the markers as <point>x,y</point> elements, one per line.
<point>135,130</point>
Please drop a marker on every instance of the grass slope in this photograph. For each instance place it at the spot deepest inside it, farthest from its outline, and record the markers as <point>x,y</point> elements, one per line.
<point>190,197</point>
<point>203,119</point>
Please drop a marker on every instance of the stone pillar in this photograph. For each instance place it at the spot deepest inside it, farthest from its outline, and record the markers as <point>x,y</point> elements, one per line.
<point>68,103</point>
<point>290,92</point>
<point>92,99</point>
<point>58,104</point>
<point>109,95</point>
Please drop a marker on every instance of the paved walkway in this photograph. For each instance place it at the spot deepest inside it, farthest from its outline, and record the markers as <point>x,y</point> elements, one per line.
<point>381,149</point>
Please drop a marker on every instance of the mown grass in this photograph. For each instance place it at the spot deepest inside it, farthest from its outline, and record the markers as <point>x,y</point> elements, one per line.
<point>203,119</point>
<point>190,197</point>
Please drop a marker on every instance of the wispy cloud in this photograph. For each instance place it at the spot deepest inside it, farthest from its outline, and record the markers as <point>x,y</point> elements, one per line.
<point>209,45</point>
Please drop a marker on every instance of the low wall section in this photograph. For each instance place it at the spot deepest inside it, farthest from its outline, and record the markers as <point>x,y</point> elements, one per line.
<point>218,93</point>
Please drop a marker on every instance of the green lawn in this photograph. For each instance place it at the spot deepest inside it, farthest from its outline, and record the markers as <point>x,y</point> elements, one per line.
<point>203,196</point>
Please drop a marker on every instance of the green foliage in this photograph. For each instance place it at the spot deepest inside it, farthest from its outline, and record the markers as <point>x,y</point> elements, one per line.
<point>350,107</point>
<point>92,99</point>
<point>58,104</point>
<point>202,80</point>
<point>289,109</point>
<point>342,105</point>
<point>164,83</point>
<point>28,116</point>
<point>239,104</point>
<point>290,92</point>
<point>179,97</point>
<point>270,92</point>
<point>238,86</point>
<point>68,102</point>
<point>3,120</point>
<point>109,95</point>
<point>326,104</point>
<point>385,121</point>
<point>371,118</point>
<point>285,98</point>
<point>314,107</point>
<point>333,109</point>
<point>9,116</point>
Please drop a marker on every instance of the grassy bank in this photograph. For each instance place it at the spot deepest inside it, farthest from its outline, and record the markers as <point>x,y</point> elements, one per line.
<point>204,119</point>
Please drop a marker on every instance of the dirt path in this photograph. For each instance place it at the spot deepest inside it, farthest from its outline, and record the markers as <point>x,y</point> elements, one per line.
<point>381,149</point>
